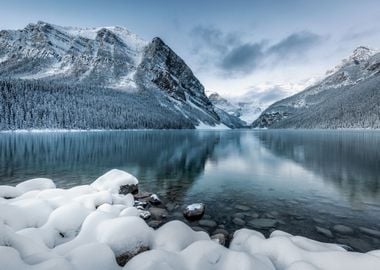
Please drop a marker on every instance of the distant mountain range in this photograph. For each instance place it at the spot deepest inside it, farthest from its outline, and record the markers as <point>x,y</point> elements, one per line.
<point>348,97</point>
<point>244,107</point>
<point>88,78</point>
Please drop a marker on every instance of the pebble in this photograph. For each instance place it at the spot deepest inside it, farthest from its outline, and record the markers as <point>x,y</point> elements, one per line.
<point>242,207</point>
<point>238,221</point>
<point>369,231</point>
<point>207,223</point>
<point>145,214</point>
<point>199,229</point>
<point>222,231</point>
<point>263,223</point>
<point>239,215</point>
<point>158,213</point>
<point>343,229</point>
<point>154,199</point>
<point>324,231</point>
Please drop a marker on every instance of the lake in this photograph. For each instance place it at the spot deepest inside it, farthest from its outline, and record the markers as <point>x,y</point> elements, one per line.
<point>305,182</point>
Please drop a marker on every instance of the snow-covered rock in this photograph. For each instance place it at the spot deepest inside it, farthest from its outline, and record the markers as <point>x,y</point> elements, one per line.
<point>116,181</point>
<point>62,229</point>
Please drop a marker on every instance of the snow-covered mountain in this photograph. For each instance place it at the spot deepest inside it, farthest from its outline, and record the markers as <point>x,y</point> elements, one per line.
<point>348,97</point>
<point>111,58</point>
<point>246,108</point>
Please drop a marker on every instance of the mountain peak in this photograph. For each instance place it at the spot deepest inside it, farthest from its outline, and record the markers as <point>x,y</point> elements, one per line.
<point>361,53</point>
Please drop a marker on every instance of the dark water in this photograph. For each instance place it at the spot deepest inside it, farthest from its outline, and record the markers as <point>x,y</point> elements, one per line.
<point>302,179</point>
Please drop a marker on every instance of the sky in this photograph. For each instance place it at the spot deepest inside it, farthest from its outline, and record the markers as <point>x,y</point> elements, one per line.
<point>268,49</point>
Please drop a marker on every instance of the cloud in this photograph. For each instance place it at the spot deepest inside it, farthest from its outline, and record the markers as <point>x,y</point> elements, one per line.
<point>353,35</point>
<point>295,44</point>
<point>268,95</point>
<point>243,58</point>
<point>231,54</point>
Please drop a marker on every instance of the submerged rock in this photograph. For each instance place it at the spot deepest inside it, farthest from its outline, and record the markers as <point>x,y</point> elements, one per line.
<point>145,214</point>
<point>343,229</point>
<point>238,221</point>
<point>324,231</point>
<point>208,223</point>
<point>263,223</point>
<point>158,213</point>
<point>370,232</point>
<point>242,207</point>
<point>194,211</point>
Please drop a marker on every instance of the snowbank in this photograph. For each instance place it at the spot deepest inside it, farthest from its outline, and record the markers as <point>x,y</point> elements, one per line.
<point>95,227</point>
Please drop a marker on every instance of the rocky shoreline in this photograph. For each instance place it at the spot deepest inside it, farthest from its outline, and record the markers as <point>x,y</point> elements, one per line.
<point>45,227</point>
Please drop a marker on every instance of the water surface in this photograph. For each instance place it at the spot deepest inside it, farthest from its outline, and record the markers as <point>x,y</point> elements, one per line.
<point>302,179</point>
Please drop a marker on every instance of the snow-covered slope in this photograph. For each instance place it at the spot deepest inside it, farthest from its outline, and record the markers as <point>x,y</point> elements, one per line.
<point>108,57</point>
<point>243,107</point>
<point>348,97</point>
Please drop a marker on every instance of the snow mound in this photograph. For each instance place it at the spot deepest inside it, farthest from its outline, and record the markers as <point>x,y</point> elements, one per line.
<point>113,180</point>
<point>92,227</point>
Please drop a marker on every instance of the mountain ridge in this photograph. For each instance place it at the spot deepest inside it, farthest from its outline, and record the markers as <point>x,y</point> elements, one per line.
<point>108,57</point>
<point>333,102</point>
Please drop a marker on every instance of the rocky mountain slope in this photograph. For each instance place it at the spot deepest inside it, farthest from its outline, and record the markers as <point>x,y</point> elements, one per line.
<point>348,97</point>
<point>110,58</point>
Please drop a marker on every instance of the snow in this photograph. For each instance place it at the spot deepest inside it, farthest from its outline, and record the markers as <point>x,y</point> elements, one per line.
<point>203,126</point>
<point>113,180</point>
<point>87,227</point>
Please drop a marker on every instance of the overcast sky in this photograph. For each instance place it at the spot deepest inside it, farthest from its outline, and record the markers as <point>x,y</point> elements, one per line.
<point>273,48</point>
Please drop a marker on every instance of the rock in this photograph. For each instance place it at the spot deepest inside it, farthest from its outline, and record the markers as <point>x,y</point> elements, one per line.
<point>370,232</point>
<point>207,223</point>
<point>263,223</point>
<point>154,199</point>
<point>142,195</point>
<point>239,215</point>
<point>343,229</point>
<point>318,220</point>
<point>158,213</point>
<point>324,231</point>
<point>134,189</point>
<point>221,231</point>
<point>199,229</point>
<point>355,243</point>
<point>194,211</point>
<point>125,257</point>
<point>171,206</point>
<point>252,214</point>
<point>142,204</point>
<point>155,223</point>
<point>219,238</point>
<point>238,221</point>
<point>145,214</point>
<point>242,207</point>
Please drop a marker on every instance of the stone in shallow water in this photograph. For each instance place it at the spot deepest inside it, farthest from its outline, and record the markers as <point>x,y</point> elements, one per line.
<point>158,213</point>
<point>199,229</point>
<point>154,199</point>
<point>238,221</point>
<point>263,223</point>
<point>222,231</point>
<point>142,195</point>
<point>242,207</point>
<point>239,215</point>
<point>358,244</point>
<point>370,232</point>
<point>145,214</point>
<point>207,223</point>
<point>155,223</point>
<point>194,211</point>
<point>324,231</point>
<point>343,229</point>
<point>252,214</point>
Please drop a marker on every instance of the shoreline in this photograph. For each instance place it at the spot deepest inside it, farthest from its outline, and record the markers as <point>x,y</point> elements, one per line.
<point>42,225</point>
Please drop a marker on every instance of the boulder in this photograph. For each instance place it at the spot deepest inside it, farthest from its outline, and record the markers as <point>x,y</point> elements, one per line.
<point>194,211</point>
